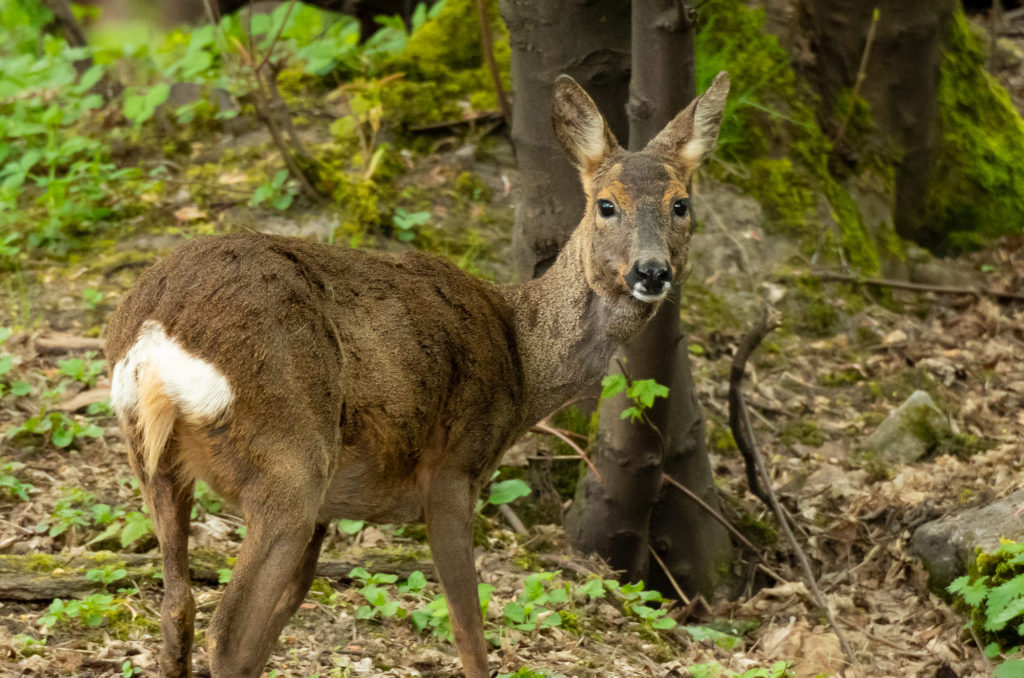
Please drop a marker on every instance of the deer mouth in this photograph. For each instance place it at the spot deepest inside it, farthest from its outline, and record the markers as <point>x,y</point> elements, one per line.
<point>641,292</point>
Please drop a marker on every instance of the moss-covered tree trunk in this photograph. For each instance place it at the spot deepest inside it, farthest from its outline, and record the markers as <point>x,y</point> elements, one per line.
<point>590,42</point>
<point>901,84</point>
<point>630,507</point>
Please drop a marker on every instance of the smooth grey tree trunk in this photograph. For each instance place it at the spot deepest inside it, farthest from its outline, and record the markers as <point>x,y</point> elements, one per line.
<point>589,40</point>
<point>630,508</point>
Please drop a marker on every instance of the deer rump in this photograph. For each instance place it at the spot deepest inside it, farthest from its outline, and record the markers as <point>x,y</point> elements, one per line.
<point>257,356</point>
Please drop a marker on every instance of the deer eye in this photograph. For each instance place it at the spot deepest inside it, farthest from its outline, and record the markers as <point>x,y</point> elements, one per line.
<point>681,207</point>
<point>606,208</point>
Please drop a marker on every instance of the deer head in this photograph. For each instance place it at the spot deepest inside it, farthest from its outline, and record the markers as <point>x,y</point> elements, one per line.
<point>637,226</point>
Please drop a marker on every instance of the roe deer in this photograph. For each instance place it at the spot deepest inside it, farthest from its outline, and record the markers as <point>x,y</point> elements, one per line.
<point>305,382</point>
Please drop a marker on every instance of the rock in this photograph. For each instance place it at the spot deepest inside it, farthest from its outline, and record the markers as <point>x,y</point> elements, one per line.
<point>946,546</point>
<point>911,431</point>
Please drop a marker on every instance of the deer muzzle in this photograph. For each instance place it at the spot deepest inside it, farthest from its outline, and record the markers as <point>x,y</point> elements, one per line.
<point>650,280</point>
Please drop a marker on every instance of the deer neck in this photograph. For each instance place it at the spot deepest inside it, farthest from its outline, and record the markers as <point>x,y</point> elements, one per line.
<point>566,333</point>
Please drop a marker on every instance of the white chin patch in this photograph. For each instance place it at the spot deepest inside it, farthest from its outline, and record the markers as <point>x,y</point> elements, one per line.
<point>639,293</point>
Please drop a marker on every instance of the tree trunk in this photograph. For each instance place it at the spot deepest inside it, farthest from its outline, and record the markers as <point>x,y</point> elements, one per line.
<point>901,82</point>
<point>615,517</point>
<point>589,40</point>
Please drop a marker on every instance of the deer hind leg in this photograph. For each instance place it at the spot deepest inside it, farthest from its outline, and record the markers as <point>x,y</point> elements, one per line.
<point>298,583</point>
<point>280,507</point>
<point>170,504</point>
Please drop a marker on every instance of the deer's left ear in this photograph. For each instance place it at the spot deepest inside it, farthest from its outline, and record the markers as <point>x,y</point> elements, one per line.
<point>691,136</point>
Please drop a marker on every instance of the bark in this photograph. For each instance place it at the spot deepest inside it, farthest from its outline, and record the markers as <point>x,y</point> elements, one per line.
<point>589,40</point>
<point>632,508</point>
<point>901,83</point>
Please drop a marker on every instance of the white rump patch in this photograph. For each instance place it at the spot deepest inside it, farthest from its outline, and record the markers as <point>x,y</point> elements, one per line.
<point>196,387</point>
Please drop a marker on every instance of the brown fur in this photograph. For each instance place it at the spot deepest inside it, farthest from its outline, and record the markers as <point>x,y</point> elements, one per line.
<point>375,386</point>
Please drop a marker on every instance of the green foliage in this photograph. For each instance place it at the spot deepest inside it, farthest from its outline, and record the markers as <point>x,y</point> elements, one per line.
<point>57,427</point>
<point>106,575</point>
<point>350,526</point>
<point>976,180</point>
<point>407,222</point>
<point>641,391</point>
<point>993,594</point>
<point>532,609</point>
<point>714,670</point>
<point>15,387</point>
<point>770,127</point>
<point>92,610</point>
<point>85,371</point>
<point>279,192</point>
<point>91,298</point>
<point>15,489</point>
<point>507,491</point>
<point>443,74</point>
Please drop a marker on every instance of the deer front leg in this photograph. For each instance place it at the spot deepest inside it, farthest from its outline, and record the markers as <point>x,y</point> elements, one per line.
<point>449,513</point>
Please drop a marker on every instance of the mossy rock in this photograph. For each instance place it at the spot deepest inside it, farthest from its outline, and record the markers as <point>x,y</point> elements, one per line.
<point>977,179</point>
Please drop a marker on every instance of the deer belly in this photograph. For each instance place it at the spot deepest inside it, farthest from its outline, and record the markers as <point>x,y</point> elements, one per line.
<point>359,492</point>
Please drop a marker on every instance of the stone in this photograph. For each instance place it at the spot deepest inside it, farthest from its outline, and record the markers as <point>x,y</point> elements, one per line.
<point>947,545</point>
<point>910,432</point>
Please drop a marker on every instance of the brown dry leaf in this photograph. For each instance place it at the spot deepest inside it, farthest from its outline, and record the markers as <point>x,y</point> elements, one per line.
<point>189,213</point>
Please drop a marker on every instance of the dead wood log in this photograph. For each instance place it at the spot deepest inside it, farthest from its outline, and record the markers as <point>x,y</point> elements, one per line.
<point>35,578</point>
<point>59,344</point>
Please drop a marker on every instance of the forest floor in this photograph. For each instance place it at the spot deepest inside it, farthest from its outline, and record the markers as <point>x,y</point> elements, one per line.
<point>844,358</point>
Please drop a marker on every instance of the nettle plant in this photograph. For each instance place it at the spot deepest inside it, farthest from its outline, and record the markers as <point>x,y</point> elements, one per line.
<point>993,594</point>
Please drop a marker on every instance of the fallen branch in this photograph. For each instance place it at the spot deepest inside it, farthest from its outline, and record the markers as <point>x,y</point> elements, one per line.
<point>862,72</point>
<point>513,520</point>
<point>23,579</point>
<point>833,276</point>
<point>668,573</point>
<point>768,322</point>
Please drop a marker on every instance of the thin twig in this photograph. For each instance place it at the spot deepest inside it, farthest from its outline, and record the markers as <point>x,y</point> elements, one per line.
<point>862,72</point>
<point>834,276</point>
<point>487,44</point>
<point>736,406</point>
<point>727,525</point>
<point>679,591</point>
<point>277,36</point>
<point>542,427</point>
<point>769,321</point>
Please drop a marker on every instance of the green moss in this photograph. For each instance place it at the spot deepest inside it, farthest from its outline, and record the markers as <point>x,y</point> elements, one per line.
<point>844,377</point>
<point>803,431</point>
<point>443,69</point>
<point>809,310</point>
<point>721,440</point>
<point>771,130</point>
<point>977,178</point>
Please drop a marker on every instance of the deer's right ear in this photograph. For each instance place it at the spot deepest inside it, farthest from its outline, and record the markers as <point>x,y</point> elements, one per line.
<point>580,127</point>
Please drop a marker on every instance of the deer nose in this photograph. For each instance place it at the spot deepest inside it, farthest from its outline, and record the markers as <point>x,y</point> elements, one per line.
<point>649,278</point>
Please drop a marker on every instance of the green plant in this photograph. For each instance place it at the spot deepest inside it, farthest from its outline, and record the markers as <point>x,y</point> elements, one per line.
<point>106,575</point>
<point>86,370</point>
<point>17,387</point>
<point>26,646</point>
<point>127,670</point>
<point>205,499</point>
<point>61,429</point>
<point>434,615</point>
<point>68,514</point>
<point>15,488</point>
<point>406,223</point>
<point>130,526</point>
<point>993,594</point>
<point>532,609</point>
<point>714,670</point>
<point>91,298</point>
<point>507,491</point>
<point>641,391</point>
<point>350,526</point>
<point>279,192</point>
<point>379,601</point>
<point>91,611</point>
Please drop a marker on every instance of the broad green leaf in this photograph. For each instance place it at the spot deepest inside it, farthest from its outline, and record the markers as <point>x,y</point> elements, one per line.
<point>508,491</point>
<point>612,385</point>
